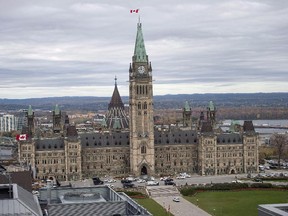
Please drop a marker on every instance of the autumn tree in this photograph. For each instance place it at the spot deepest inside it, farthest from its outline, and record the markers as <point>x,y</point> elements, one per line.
<point>280,143</point>
<point>265,153</point>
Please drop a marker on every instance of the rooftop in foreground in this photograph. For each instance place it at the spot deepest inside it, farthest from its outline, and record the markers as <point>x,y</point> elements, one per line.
<point>100,200</point>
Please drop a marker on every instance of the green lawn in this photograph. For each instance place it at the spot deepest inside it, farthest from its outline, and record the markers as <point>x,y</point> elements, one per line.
<point>153,207</point>
<point>237,203</point>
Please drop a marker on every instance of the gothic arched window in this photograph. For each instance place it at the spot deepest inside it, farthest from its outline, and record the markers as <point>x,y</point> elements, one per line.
<point>143,149</point>
<point>145,105</point>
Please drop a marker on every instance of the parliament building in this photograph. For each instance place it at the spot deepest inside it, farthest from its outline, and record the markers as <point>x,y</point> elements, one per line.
<point>134,146</point>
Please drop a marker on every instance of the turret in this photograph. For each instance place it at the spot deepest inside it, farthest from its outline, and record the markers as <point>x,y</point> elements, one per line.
<point>187,121</point>
<point>211,114</point>
<point>30,121</point>
<point>56,119</point>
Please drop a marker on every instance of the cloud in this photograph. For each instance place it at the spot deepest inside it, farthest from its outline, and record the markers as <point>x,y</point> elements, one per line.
<point>70,48</point>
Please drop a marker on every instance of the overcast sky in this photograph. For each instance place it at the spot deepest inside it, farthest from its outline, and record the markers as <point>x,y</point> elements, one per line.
<point>77,47</point>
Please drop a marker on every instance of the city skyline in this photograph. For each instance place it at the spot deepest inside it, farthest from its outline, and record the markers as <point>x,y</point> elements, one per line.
<point>76,48</point>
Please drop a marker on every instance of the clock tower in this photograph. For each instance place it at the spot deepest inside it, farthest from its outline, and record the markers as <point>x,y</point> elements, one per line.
<point>141,123</point>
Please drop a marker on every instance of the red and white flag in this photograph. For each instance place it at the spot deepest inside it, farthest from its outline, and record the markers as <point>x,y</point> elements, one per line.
<point>134,11</point>
<point>21,137</point>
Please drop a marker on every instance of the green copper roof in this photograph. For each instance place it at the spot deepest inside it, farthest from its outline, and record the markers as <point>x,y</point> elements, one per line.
<point>57,110</point>
<point>103,123</point>
<point>117,124</point>
<point>30,111</point>
<point>233,125</point>
<point>186,106</point>
<point>139,50</point>
<point>211,106</point>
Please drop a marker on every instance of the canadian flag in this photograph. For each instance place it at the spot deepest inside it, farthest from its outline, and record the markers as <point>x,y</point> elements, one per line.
<point>22,137</point>
<point>134,11</point>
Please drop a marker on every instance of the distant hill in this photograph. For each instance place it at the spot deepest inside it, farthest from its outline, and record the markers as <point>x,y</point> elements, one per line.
<point>160,102</point>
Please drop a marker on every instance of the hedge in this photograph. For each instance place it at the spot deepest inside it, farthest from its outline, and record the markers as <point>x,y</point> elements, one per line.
<point>192,190</point>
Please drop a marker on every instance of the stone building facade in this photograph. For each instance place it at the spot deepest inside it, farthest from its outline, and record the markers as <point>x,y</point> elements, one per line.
<point>143,149</point>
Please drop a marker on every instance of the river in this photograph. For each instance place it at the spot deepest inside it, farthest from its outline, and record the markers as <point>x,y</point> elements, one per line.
<point>271,123</point>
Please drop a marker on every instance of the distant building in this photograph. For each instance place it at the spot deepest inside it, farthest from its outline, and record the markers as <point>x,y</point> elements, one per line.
<point>8,150</point>
<point>143,149</point>
<point>8,123</point>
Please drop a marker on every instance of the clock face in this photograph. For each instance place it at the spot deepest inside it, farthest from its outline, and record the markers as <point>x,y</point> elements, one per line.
<point>141,69</point>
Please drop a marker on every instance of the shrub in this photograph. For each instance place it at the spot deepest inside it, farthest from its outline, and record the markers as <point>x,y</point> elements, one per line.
<point>229,186</point>
<point>261,185</point>
<point>134,193</point>
<point>188,191</point>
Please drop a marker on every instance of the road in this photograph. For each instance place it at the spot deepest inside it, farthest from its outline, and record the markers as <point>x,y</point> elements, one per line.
<point>195,179</point>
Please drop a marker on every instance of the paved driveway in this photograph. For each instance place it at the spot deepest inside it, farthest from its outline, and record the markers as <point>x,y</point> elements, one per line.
<point>164,196</point>
<point>182,208</point>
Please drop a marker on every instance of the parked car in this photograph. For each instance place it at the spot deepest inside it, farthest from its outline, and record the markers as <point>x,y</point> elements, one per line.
<point>237,181</point>
<point>97,181</point>
<point>130,178</point>
<point>125,181</point>
<point>152,183</point>
<point>176,199</point>
<point>258,180</point>
<point>169,182</point>
<point>163,178</point>
<point>128,185</point>
<point>185,175</point>
<point>141,181</point>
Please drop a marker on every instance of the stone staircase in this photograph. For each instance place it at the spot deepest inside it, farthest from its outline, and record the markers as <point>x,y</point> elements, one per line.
<point>162,191</point>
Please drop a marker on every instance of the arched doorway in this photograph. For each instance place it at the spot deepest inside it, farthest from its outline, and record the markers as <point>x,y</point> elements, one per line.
<point>144,170</point>
<point>232,171</point>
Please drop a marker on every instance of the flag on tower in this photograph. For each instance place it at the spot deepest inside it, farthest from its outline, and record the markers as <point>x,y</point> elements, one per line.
<point>21,137</point>
<point>134,11</point>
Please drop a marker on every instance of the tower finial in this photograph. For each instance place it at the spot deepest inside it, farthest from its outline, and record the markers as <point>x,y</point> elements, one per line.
<point>139,19</point>
<point>115,80</point>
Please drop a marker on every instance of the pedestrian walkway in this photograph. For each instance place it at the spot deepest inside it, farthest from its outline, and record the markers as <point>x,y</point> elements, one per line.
<point>159,191</point>
<point>164,196</point>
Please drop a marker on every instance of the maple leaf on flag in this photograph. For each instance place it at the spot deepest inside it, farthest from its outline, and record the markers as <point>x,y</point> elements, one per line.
<point>21,137</point>
<point>134,11</point>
